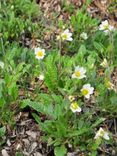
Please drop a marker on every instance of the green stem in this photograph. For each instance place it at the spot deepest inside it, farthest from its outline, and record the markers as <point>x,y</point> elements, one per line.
<point>42,66</point>
<point>2,45</point>
<point>111,54</point>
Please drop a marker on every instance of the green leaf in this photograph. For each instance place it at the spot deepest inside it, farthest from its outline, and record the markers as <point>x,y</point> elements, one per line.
<point>99,121</point>
<point>19,154</point>
<point>2,131</point>
<point>98,46</point>
<point>39,107</point>
<point>113,100</point>
<point>25,103</point>
<point>78,132</point>
<point>60,151</point>
<point>35,105</point>
<point>36,117</point>
<point>51,75</point>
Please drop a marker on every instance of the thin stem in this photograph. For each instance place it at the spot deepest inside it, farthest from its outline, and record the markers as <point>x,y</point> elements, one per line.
<point>60,46</point>
<point>59,55</point>
<point>111,55</point>
<point>42,66</point>
<point>2,45</point>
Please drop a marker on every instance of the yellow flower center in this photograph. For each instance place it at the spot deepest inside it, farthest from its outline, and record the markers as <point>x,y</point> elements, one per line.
<point>101,132</point>
<point>74,105</point>
<point>77,73</point>
<point>85,91</point>
<point>71,98</point>
<point>106,26</point>
<point>108,84</point>
<point>64,36</point>
<point>39,53</point>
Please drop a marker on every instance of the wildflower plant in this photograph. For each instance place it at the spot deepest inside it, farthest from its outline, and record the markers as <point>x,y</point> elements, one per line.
<point>75,107</point>
<point>106,27</point>
<point>84,35</point>
<point>40,53</point>
<point>102,134</point>
<point>69,104</point>
<point>41,77</point>
<point>87,90</point>
<point>79,73</point>
<point>66,35</point>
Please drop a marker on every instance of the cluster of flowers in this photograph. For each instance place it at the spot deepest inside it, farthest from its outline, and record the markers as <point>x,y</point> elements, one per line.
<point>107,28</point>
<point>108,84</point>
<point>86,90</point>
<point>80,72</point>
<point>66,35</point>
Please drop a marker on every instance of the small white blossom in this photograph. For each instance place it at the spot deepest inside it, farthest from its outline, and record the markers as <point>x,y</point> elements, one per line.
<point>71,98</point>
<point>106,27</point>
<point>87,90</point>
<point>79,73</point>
<point>84,35</point>
<point>104,63</point>
<point>102,134</point>
<point>12,7</point>
<point>40,53</point>
<point>75,107</point>
<point>41,77</point>
<point>65,35</point>
<point>1,64</point>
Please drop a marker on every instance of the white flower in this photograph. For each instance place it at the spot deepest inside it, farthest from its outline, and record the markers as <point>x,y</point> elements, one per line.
<point>1,64</point>
<point>74,107</point>
<point>106,27</point>
<point>40,53</point>
<point>65,35</point>
<point>87,90</point>
<point>104,63</point>
<point>102,134</point>
<point>84,35</point>
<point>79,73</point>
<point>41,77</point>
<point>71,98</point>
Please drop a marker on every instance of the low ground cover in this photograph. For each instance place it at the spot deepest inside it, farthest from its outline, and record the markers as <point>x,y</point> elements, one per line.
<point>60,77</point>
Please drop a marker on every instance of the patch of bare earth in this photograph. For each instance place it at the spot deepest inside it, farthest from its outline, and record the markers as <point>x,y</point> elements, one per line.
<point>24,138</point>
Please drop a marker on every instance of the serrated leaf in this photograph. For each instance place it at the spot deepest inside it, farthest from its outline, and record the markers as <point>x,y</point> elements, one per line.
<point>35,105</point>
<point>98,46</point>
<point>36,117</point>
<point>60,151</point>
<point>78,132</point>
<point>51,76</point>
